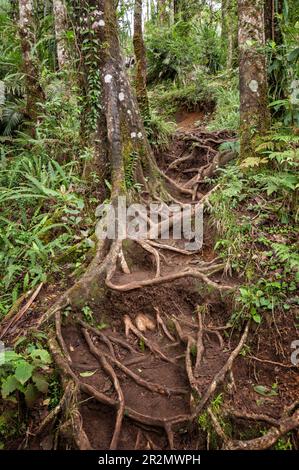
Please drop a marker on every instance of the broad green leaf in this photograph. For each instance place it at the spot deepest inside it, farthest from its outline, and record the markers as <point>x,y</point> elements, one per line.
<point>42,354</point>
<point>88,373</point>
<point>8,386</point>
<point>10,356</point>
<point>23,371</point>
<point>257,318</point>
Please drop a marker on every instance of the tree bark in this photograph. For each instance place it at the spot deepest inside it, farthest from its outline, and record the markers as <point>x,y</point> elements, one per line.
<point>60,21</point>
<point>162,12</point>
<point>34,92</point>
<point>272,25</point>
<point>224,21</point>
<point>229,32</point>
<point>140,54</point>
<point>129,153</point>
<point>254,113</point>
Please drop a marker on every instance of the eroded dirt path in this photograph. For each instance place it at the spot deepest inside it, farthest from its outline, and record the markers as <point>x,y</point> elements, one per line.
<point>152,363</point>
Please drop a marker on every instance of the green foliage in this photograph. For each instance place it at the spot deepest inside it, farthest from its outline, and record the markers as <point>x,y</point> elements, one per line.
<point>173,51</point>
<point>168,98</point>
<point>284,443</point>
<point>255,210</point>
<point>24,373</point>
<point>159,131</point>
<point>40,193</point>
<point>283,68</point>
<point>227,99</point>
<point>88,314</point>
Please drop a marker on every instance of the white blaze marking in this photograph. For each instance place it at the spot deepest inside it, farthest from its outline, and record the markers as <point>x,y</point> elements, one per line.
<point>108,78</point>
<point>133,135</point>
<point>254,86</point>
<point>121,96</point>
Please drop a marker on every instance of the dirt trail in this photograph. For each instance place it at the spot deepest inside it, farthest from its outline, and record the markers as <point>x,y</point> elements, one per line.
<point>156,357</point>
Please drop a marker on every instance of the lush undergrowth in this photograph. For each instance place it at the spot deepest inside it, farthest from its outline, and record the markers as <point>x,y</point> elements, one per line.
<point>42,194</point>
<point>256,214</point>
<point>47,207</point>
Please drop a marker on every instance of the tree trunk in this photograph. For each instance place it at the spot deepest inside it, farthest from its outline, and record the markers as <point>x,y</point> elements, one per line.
<point>162,13</point>
<point>127,146</point>
<point>224,22</point>
<point>254,113</point>
<point>272,24</point>
<point>140,54</point>
<point>34,92</point>
<point>232,33</point>
<point>60,21</point>
<point>273,33</point>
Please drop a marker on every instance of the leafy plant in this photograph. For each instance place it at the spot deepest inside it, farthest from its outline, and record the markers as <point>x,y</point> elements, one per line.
<point>25,373</point>
<point>88,314</point>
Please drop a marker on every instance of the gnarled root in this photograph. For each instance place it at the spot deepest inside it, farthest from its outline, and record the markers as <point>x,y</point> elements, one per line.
<point>155,350</point>
<point>280,428</point>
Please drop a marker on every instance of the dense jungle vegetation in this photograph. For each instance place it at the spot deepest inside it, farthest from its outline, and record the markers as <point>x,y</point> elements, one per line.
<point>159,101</point>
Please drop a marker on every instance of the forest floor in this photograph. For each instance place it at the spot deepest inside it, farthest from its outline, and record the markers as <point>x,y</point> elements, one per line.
<point>168,351</point>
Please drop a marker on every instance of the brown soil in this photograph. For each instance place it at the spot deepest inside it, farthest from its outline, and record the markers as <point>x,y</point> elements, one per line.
<point>175,301</point>
<point>187,121</point>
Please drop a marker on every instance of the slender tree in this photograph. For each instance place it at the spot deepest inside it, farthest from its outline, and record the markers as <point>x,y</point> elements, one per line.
<point>140,54</point>
<point>34,92</point>
<point>254,112</point>
<point>229,30</point>
<point>273,8</point>
<point>60,21</point>
<point>162,11</point>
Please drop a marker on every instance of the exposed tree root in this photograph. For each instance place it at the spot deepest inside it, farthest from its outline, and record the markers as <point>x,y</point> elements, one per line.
<point>59,335</point>
<point>110,372</point>
<point>272,363</point>
<point>220,376</point>
<point>15,318</point>
<point>172,277</point>
<point>155,350</point>
<point>109,261</point>
<point>251,416</point>
<point>180,160</point>
<point>162,246</point>
<point>147,246</point>
<point>71,386</point>
<point>161,323</point>
<point>66,398</point>
<point>282,427</point>
<point>105,339</point>
<point>153,387</point>
<point>199,344</point>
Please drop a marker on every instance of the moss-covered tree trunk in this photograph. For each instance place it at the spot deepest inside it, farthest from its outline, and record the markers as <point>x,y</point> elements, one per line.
<point>34,92</point>
<point>140,54</point>
<point>254,112</point>
<point>61,23</point>
<point>115,112</point>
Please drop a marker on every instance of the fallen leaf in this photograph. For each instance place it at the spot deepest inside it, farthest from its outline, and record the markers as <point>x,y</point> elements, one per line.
<point>88,373</point>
